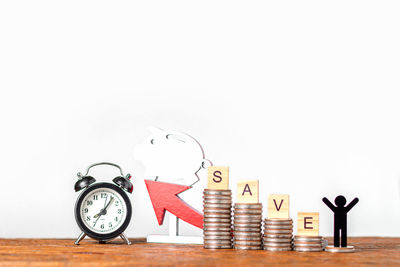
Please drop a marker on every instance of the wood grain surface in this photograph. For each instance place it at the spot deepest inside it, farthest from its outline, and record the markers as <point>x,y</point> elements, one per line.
<point>371,251</point>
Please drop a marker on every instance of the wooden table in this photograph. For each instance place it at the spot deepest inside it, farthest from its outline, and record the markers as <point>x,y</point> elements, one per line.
<point>56,252</point>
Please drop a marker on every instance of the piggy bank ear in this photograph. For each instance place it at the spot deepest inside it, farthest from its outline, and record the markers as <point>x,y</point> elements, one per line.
<point>154,130</point>
<point>206,163</point>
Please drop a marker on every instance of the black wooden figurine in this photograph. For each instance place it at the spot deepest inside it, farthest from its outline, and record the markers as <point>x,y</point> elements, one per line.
<point>340,219</point>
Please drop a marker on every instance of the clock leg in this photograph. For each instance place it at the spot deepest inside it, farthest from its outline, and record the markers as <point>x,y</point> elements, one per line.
<point>80,237</point>
<point>125,238</point>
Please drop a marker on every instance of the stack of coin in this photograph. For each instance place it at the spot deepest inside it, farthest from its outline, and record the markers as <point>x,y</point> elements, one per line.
<point>217,228</point>
<point>308,243</point>
<point>278,234</point>
<point>247,226</point>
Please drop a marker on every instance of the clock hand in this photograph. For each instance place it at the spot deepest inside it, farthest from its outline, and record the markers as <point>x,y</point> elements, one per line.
<point>109,203</point>
<point>97,219</point>
<point>105,201</point>
<point>103,211</point>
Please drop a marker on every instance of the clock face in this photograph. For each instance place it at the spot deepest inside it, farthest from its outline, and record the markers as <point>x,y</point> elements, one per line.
<point>103,211</point>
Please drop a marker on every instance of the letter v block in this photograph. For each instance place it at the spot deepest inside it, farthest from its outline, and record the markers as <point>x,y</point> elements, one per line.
<point>247,191</point>
<point>278,206</point>
<point>218,178</point>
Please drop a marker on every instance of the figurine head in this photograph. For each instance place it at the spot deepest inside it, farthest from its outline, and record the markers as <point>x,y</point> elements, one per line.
<point>172,157</point>
<point>340,201</point>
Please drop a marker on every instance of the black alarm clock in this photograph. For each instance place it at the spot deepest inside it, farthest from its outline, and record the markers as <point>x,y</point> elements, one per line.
<point>103,210</point>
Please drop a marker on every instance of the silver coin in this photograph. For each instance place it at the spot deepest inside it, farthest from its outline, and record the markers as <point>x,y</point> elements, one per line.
<point>277,249</point>
<point>217,233</point>
<point>217,201</point>
<point>247,217</point>
<point>216,225</point>
<point>307,245</point>
<point>219,230</point>
<point>348,249</point>
<point>252,212</point>
<point>247,229</point>
<point>209,246</point>
<point>217,196</point>
<point>244,221</point>
<point>303,249</point>
<point>219,237</point>
<point>218,243</point>
<point>268,235</point>
<point>248,205</point>
<point>217,206</point>
<point>247,220</point>
<point>216,220</point>
<point>248,238</point>
<point>247,243</point>
<point>216,215</point>
<point>224,198</point>
<point>278,227</point>
<point>275,231</point>
<point>217,192</point>
<point>300,242</point>
<point>236,224</point>
<point>236,233</point>
<point>217,211</point>
<point>278,240</point>
<point>248,247</point>
<point>308,238</point>
<point>279,245</point>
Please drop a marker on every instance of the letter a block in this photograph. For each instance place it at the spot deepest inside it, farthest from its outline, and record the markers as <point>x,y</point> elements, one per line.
<point>247,191</point>
<point>278,206</point>
<point>308,223</point>
<point>218,178</point>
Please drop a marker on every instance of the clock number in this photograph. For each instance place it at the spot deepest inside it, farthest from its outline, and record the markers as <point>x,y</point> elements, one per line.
<point>88,218</point>
<point>95,197</point>
<point>102,226</point>
<point>116,219</point>
<point>109,225</point>
<point>103,195</point>
<point>89,202</point>
<point>116,203</point>
<point>85,210</point>
<point>119,211</point>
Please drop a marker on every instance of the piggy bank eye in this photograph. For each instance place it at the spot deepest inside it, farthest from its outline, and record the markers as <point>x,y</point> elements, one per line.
<point>152,141</point>
<point>175,137</point>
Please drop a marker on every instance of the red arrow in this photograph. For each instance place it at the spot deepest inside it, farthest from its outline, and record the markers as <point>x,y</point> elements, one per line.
<point>164,196</point>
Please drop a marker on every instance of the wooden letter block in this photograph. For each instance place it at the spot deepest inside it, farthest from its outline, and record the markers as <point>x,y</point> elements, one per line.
<point>308,223</point>
<point>247,191</point>
<point>278,206</point>
<point>218,178</point>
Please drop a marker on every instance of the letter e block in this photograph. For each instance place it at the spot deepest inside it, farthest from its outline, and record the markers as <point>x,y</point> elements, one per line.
<point>218,178</point>
<point>308,223</point>
<point>247,191</point>
<point>278,206</point>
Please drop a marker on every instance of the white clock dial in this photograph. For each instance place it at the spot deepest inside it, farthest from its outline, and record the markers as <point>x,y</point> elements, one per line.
<point>103,210</point>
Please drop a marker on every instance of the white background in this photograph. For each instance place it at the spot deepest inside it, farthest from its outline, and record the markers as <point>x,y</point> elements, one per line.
<point>303,95</point>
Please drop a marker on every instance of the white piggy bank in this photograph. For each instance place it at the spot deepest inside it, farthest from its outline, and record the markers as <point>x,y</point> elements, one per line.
<point>172,157</point>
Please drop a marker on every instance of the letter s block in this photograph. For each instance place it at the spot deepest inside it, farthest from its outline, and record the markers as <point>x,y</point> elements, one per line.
<point>308,223</point>
<point>218,178</point>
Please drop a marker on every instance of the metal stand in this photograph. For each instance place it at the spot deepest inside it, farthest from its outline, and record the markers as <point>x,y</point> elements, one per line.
<point>173,236</point>
<point>125,238</point>
<point>80,237</point>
